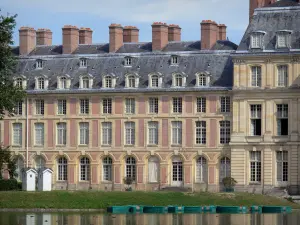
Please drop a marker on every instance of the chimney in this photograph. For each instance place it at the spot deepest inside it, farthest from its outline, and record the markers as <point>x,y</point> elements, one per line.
<point>115,37</point>
<point>174,32</point>
<point>159,36</point>
<point>85,36</point>
<point>222,32</point>
<point>43,37</point>
<point>209,34</point>
<point>131,34</point>
<point>27,40</point>
<point>70,39</point>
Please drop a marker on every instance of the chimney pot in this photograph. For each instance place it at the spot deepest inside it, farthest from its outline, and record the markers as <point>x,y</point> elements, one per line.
<point>222,32</point>
<point>70,39</point>
<point>160,36</point>
<point>131,34</point>
<point>115,37</point>
<point>209,34</point>
<point>85,36</point>
<point>43,36</point>
<point>27,40</point>
<point>174,32</point>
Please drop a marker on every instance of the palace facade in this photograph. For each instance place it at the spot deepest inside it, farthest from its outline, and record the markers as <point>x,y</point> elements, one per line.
<point>168,113</point>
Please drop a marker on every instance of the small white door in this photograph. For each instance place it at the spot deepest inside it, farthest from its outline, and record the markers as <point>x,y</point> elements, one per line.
<point>177,172</point>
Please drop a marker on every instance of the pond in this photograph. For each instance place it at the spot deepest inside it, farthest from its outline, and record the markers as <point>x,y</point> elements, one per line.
<point>11,218</point>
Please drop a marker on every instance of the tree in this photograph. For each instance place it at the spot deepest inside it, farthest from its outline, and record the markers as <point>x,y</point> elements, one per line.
<point>9,94</point>
<point>6,158</point>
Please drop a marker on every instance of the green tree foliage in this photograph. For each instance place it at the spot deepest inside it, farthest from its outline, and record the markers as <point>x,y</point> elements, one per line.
<point>7,162</point>
<point>9,94</point>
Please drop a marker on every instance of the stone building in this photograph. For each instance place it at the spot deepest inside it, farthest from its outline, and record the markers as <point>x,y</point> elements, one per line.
<point>167,112</point>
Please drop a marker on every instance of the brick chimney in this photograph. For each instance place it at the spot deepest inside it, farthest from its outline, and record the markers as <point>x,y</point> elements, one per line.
<point>209,34</point>
<point>70,39</point>
<point>131,34</point>
<point>160,33</point>
<point>43,37</point>
<point>222,32</point>
<point>27,40</point>
<point>174,32</point>
<point>85,36</point>
<point>115,37</point>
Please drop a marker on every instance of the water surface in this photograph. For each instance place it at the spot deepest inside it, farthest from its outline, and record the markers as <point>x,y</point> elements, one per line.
<point>11,218</point>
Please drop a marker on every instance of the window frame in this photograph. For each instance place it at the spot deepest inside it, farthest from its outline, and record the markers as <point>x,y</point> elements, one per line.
<point>177,105</point>
<point>39,64</point>
<point>107,169</point>
<point>129,133</point>
<point>256,76</point>
<point>282,76</point>
<point>84,169</point>
<point>130,167</point>
<point>225,132</point>
<point>130,105</point>
<point>106,137</point>
<point>225,104</point>
<point>61,107</point>
<point>153,133</point>
<point>39,107</point>
<point>107,105</point>
<point>61,129</point>
<point>17,130</point>
<point>200,132</point>
<point>83,63</point>
<point>42,134</point>
<point>62,169</point>
<point>201,170</point>
<point>153,104</point>
<point>176,128</point>
<point>84,132</point>
<point>84,106</point>
<point>255,166</point>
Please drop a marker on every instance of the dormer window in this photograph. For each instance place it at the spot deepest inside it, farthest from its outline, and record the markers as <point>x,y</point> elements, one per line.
<point>109,80</point>
<point>128,61</point>
<point>83,63</point>
<point>132,80</point>
<point>202,79</point>
<point>283,39</point>
<point>179,79</point>
<point>86,81</point>
<point>20,82</point>
<point>41,83</point>
<point>174,60</point>
<point>155,80</point>
<point>257,39</point>
<point>63,82</point>
<point>39,64</point>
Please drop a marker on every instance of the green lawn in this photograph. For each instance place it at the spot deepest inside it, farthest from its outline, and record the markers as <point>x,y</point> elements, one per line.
<point>98,200</point>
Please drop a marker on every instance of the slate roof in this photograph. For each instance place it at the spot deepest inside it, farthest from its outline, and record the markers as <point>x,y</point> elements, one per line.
<point>191,61</point>
<point>282,15</point>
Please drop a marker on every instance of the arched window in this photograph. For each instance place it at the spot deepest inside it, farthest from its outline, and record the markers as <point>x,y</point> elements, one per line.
<point>85,82</point>
<point>153,169</point>
<point>41,83</point>
<point>154,81</point>
<point>62,169</point>
<point>39,162</point>
<point>131,167</point>
<point>84,169</point>
<point>201,170</point>
<point>19,167</point>
<point>107,169</point>
<point>19,82</point>
<point>131,81</point>
<point>108,82</point>
<point>225,168</point>
<point>178,80</point>
<point>63,83</point>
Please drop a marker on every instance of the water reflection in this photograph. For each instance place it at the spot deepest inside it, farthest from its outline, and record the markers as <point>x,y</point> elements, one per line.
<point>147,219</point>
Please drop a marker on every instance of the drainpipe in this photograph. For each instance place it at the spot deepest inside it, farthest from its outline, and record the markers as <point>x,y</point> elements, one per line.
<point>27,133</point>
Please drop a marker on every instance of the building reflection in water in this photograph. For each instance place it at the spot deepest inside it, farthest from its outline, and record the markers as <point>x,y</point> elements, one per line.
<point>148,219</point>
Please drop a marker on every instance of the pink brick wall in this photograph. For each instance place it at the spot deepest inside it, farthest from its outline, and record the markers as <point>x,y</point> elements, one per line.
<point>71,174</point>
<point>165,136</point>
<point>211,174</point>
<point>212,104</point>
<point>73,106</point>
<point>140,174</point>
<point>141,133</point>
<point>142,105</point>
<point>117,174</point>
<point>187,174</point>
<point>73,133</point>
<point>95,133</point>
<point>189,104</point>
<point>213,133</point>
<point>189,133</point>
<point>6,133</point>
<point>164,175</point>
<point>95,106</point>
<point>165,104</point>
<point>118,133</point>
<point>50,134</point>
<point>94,175</point>
<point>50,106</point>
<point>119,105</point>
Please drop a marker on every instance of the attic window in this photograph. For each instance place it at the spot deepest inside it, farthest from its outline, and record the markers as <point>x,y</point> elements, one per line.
<point>132,80</point>
<point>203,79</point>
<point>19,82</point>
<point>39,64</point>
<point>85,82</point>
<point>257,40</point>
<point>283,39</point>
<point>83,63</point>
<point>174,60</point>
<point>108,82</point>
<point>128,61</point>
<point>41,83</point>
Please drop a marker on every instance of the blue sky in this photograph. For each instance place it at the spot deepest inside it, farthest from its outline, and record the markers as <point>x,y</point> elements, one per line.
<point>98,14</point>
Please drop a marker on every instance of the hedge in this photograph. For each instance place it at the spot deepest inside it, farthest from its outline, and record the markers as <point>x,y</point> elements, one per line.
<point>10,184</point>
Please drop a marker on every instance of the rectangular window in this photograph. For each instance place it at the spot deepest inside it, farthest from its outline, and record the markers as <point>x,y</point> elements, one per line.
<point>282,73</point>
<point>107,105</point>
<point>255,119</point>
<point>19,108</point>
<point>256,76</point>
<point>17,134</point>
<point>61,134</point>
<point>153,105</point>
<point>39,134</point>
<point>282,119</point>
<point>201,105</point>
<point>128,61</point>
<point>174,60</point>
<point>130,105</point>
<point>83,63</point>
<point>177,105</point>
<point>282,166</point>
<point>282,40</point>
<point>176,132</point>
<point>256,40</point>
<point>84,133</point>
<point>153,133</point>
<point>225,104</point>
<point>61,107</point>
<point>39,107</point>
<point>255,166</point>
<point>84,106</point>
<point>129,133</point>
<point>106,133</point>
<point>201,132</point>
<point>224,132</point>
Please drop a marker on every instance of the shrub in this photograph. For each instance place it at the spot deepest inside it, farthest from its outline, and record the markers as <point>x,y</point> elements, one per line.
<point>229,182</point>
<point>9,185</point>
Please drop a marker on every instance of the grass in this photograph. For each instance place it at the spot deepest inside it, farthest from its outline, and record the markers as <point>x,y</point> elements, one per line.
<point>101,200</point>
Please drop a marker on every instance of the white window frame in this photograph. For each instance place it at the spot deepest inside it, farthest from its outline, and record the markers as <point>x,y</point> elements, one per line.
<point>225,131</point>
<point>153,105</point>
<point>174,60</point>
<point>107,172</point>
<point>154,81</point>
<point>131,81</point>
<point>19,166</point>
<point>256,76</point>
<point>128,61</point>
<point>41,83</point>
<point>282,113</point>
<point>130,105</point>
<point>282,168</point>
<point>176,132</point>
<point>19,82</point>
<point>153,129</point>
<point>107,105</point>
<point>177,104</point>
<point>39,134</point>
<point>178,80</point>
<point>84,106</point>
<point>283,39</point>
<point>153,169</point>
<point>130,168</point>
<point>17,134</point>
<point>63,82</point>
<point>84,131</point>
<point>83,63</point>
<point>61,107</point>
<point>62,169</point>
<point>39,107</point>
<point>39,64</point>
<point>106,133</point>
<point>108,82</point>
<point>201,170</point>
<point>18,110</point>
<point>225,103</point>
<point>85,82</point>
<point>257,40</point>
<point>201,104</point>
<point>84,166</point>
<point>282,75</point>
<point>255,166</point>
<point>129,133</point>
<point>225,168</point>
<point>61,133</point>
<point>200,137</point>
<point>255,113</point>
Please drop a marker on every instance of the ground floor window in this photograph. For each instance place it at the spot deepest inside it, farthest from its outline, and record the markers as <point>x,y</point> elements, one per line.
<point>19,167</point>
<point>107,169</point>
<point>282,166</point>
<point>39,162</point>
<point>153,169</point>
<point>62,164</point>
<point>131,168</point>
<point>84,169</point>
<point>255,166</point>
<point>201,170</point>
<point>225,168</point>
